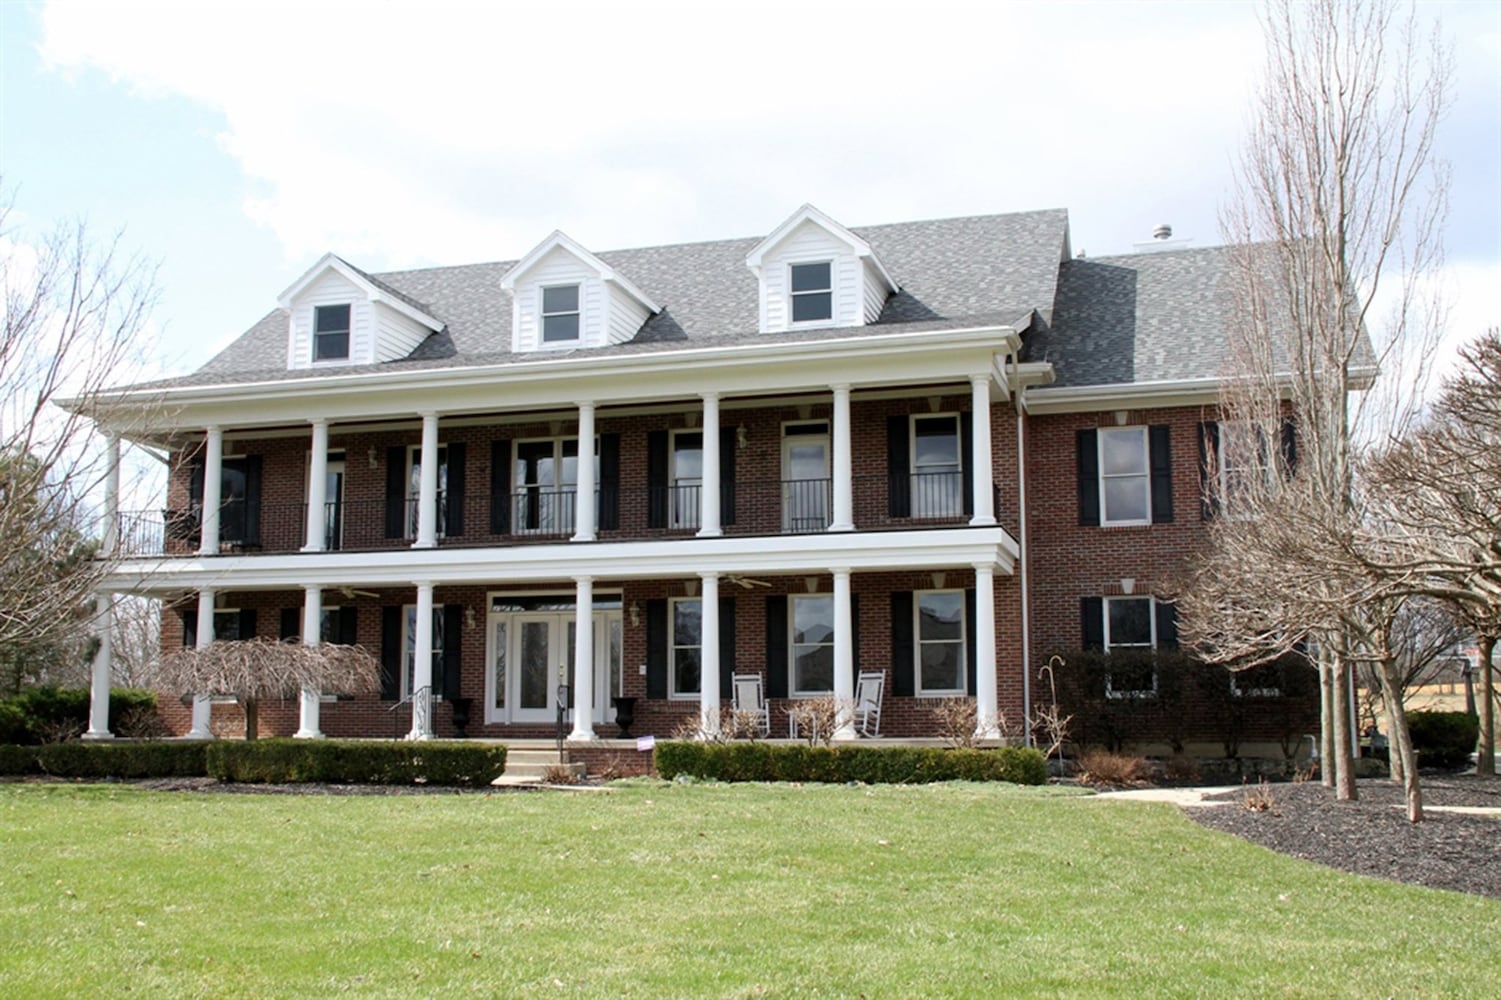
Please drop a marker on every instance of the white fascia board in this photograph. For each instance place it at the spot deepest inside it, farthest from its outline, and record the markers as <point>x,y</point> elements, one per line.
<point>561,240</point>
<point>962,547</point>
<point>869,361</point>
<point>1139,395</point>
<point>809,213</point>
<point>333,262</point>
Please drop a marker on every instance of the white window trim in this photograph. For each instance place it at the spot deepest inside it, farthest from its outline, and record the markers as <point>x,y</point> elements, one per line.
<point>348,357</point>
<point>793,296</point>
<point>673,694</point>
<point>792,644</point>
<point>409,669</point>
<point>914,471</point>
<point>542,314</point>
<point>1145,475</point>
<point>1110,691</point>
<point>917,644</point>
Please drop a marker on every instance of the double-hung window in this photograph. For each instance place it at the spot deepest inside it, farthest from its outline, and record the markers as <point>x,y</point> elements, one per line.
<point>1242,460</point>
<point>1125,476</point>
<point>812,292</point>
<point>1130,624</point>
<point>686,654</point>
<point>560,314</point>
<point>937,467</point>
<point>812,644</point>
<point>940,641</point>
<point>331,333</point>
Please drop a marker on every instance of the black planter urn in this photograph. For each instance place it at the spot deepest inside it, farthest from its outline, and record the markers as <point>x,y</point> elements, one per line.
<point>625,714</point>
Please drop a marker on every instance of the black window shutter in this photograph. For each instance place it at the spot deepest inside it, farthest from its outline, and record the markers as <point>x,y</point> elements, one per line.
<point>396,491</point>
<point>656,479</point>
<point>966,458</point>
<point>609,482</point>
<point>500,487</point>
<point>1092,622</point>
<point>971,641</point>
<point>453,648</point>
<point>1087,453</point>
<point>656,648</point>
<point>726,645</point>
<point>727,475</point>
<point>390,652</point>
<point>291,624</point>
<point>903,655</point>
<point>252,500</point>
<point>1209,444</point>
<point>1159,442</point>
<point>349,625</point>
<point>898,466</point>
<point>247,623</point>
<point>1167,625</point>
<point>189,627</point>
<point>776,646</point>
<point>454,491</point>
<point>1289,446</point>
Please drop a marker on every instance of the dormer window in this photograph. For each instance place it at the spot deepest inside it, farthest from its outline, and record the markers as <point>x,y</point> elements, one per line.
<point>560,314</point>
<point>812,292</point>
<point>331,333</point>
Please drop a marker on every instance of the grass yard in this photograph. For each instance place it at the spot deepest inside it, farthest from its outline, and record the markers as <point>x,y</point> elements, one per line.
<point>652,890</point>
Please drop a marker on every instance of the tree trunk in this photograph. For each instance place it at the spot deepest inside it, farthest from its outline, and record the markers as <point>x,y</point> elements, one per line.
<point>1485,755</point>
<point>1344,762</point>
<point>1326,722</point>
<point>1400,743</point>
<point>252,718</point>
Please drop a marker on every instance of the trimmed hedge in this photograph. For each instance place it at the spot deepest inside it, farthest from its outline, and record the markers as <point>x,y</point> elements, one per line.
<point>357,762</point>
<point>750,761</point>
<point>1443,739</point>
<point>78,759</point>
<point>38,714</point>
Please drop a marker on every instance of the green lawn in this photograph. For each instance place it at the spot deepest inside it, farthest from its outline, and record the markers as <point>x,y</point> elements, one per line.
<point>652,890</point>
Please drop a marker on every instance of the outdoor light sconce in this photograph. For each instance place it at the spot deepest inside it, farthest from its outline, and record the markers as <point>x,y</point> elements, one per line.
<point>742,438</point>
<point>635,615</point>
<point>469,619</point>
<point>374,457</point>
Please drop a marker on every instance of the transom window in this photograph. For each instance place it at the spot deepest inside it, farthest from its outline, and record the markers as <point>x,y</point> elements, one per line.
<point>560,314</point>
<point>1125,483</point>
<point>812,644</point>
<point>812,292</point>
<point>940,641</point>
<point>331,333</point>
<point>686,653</point>
<point>937,467</point>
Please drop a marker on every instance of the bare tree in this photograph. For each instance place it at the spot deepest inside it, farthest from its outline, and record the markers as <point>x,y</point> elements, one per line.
<point>75,318</point>
<point>1338,209</point>
<point>136,643</point>
<point>255,670</point>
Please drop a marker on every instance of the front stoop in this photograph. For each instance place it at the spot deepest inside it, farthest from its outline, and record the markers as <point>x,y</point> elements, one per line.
<point>527,767</point>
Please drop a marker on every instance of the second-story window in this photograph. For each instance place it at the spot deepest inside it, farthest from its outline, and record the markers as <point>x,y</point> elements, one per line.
<point>937,470</point>
<point>1125,495</point>
<point>560,314</point>
<point>331,333</point>
<point>812,292</point>
<point>687,477</point>
<point>414,491</point>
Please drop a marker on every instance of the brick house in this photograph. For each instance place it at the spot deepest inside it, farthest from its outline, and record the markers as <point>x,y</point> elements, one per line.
<point>939,450</point>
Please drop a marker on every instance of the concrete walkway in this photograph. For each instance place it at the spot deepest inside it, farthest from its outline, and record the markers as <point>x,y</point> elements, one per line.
<point>1188,797</point>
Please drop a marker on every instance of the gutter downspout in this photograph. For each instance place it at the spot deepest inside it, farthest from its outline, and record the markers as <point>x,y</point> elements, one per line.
<point>1021,502</point>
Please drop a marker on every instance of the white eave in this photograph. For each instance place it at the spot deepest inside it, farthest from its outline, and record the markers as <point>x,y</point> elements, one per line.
<point>561,240</point>
<point>1139,395</point>
<point>333,262</point>
<point>809,213</point>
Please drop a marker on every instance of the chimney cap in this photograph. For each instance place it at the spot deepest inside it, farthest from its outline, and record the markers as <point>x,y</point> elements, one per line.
<point>1162,232</point>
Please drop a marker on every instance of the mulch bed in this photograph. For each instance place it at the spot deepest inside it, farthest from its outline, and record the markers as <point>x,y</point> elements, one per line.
<point>1371,836</point>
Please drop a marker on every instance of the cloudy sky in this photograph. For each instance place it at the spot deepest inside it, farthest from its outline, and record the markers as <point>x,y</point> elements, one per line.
<point>236,143</point>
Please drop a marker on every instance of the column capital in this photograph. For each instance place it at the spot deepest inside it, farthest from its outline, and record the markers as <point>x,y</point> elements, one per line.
<point>839,387</point>
<point>585,404</point>
<point>318,421</point>
<point>312,588</point>
<point>984,567</point>
<point>213,429</point>
<point>419,584</point>
<point>840,570</point>
<point>428,414</point>
<point>583,578</point>
<point>709,574</point>
<point>984,379</point>
<point>706,396</point>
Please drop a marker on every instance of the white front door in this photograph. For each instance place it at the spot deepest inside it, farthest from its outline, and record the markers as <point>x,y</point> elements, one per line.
<point>531,655</point>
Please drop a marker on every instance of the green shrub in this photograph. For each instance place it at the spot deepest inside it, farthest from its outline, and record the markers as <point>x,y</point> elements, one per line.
<point>80,759</point>
<point>357,762</point>
<point>18,759</point>
<point>1443,739</point>
<point>839,764</point>
<point>50,714</point>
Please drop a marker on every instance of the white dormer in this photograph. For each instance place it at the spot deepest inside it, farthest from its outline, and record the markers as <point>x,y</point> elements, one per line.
<point>340,316</point>
<point>815,273</point>
<point>564,297</point>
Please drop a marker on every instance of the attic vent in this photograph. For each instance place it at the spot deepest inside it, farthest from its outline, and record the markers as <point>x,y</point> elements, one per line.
<point>1163,232</point>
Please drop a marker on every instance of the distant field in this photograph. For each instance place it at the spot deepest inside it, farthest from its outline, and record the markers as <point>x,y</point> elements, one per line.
<point>656,890</point>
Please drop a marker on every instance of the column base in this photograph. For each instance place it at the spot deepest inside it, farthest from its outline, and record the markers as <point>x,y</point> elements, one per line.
<point>417,735</point>
<point>307,734</point>
<point>98,734</point>
<point>840,526</point>
<point>982,522</point>
<point>581,735</point>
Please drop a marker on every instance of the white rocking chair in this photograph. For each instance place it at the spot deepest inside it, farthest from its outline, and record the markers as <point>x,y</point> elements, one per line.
<point>868,690</point>
<point>748,700</point>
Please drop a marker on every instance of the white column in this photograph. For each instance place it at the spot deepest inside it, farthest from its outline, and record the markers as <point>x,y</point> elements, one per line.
<point>583,526</point>
<point>708,521</point>
<point>111,535</point>
<point>104,623</point>
<point>427,498</point>
<point>317,490</point>
<point>844,486</point>
<point>213,471</point>
<point>202,704</point>
<point>708,658</point>
<point>979,457</point>
<point>583,662</point>
<point>422,673</point>
<point>312,634</point>
<point>986,715</point>
<point>844,657</point>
